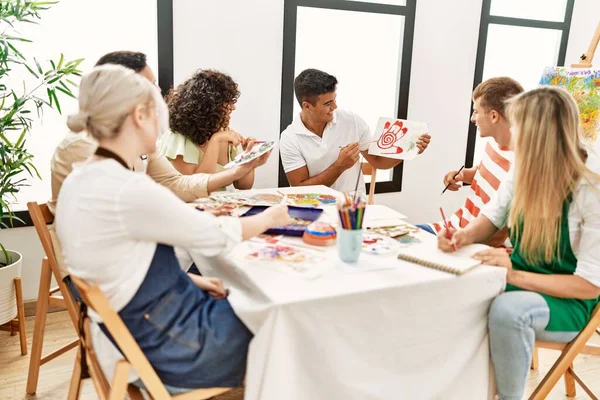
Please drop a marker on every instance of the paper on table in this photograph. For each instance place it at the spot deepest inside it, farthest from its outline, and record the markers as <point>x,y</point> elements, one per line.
<point>377,215</point>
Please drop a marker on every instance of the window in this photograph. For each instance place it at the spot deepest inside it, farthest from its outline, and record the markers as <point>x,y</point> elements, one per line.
<point>324,35</point>
<point>518,39</point>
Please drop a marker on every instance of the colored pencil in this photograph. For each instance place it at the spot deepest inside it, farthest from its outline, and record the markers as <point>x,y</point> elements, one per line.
<point>448,235</point>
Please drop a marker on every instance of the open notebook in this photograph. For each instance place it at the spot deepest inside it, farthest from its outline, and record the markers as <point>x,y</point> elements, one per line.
<point>457,262</point>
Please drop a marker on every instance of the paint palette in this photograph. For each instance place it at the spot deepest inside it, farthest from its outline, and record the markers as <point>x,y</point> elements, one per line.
<point>301,218</point>
<point>247,156</point>
<point>311,199</point>
<point>377,244</point>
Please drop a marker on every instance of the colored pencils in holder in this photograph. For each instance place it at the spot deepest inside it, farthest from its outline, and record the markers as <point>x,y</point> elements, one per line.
<point>352,211</point>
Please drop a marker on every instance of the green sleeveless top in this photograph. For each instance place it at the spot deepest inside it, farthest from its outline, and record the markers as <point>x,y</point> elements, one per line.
<point>566,315</point>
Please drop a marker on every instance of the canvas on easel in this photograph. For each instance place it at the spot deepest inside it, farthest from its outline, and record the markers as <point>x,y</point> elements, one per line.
<point>583,83</point>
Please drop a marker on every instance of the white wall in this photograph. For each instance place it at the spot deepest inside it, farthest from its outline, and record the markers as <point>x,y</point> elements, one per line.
<point>248,45</point>
<point>80,29</point>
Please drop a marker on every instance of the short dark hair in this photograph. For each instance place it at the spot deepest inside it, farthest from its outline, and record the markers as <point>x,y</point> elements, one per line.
<point>200,106</point>
<point>495,91</point>
<point>129,59</point>
<point>311,83</point>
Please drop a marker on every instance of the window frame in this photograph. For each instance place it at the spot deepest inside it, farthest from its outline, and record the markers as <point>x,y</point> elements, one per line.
<point>289,61</point>
<point>486,20</point>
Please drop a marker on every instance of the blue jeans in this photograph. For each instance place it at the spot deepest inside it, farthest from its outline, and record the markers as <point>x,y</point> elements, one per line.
<point>426,228</point>
<point>516,320</point>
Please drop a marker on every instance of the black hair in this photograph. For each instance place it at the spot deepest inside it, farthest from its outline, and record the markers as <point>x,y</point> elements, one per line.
<point>311,83</point>
<point>130,59</point>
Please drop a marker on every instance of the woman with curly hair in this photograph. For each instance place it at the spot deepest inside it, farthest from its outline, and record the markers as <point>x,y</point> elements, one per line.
<point>201,141</point>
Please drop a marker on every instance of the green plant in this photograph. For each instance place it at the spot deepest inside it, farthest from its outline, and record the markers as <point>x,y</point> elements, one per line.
<point>51,80</point>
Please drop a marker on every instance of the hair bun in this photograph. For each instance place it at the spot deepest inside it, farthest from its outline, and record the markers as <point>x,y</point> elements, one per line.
<point>78,122</point>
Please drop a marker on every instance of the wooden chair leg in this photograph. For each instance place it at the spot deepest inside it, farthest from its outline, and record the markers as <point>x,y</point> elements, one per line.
<point>75,387</point>
<point>535,360</point>
<point>118,388</point>
<point>134,392</point>
<point>570,382</point>
<point>39,328</point>
<point>21,316</point>
<point>558,369</point>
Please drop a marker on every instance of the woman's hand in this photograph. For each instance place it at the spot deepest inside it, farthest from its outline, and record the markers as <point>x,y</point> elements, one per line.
<point>496,257</point>
<point>457,240</point>
<point>214,286</point>
<point>248,143</point>
<point>277,216</point>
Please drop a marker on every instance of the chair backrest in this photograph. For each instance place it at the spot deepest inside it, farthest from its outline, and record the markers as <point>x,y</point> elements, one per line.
<point>95,300</point>
<point>41,217</point>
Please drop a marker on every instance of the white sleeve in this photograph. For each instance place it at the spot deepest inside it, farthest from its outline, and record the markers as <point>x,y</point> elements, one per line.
<point>291,156</point>
<point>364,133</point>
<point>588,256</point>
<point>153,213</point>
<point>499,206</point>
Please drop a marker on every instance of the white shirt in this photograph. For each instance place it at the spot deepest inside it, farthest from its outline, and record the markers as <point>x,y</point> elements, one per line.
<point>300,147</point>
<point>584,220</point>
<point>109,221</point>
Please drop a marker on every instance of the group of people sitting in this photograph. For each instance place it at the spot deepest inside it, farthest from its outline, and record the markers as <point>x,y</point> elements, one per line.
<point>121,177</point>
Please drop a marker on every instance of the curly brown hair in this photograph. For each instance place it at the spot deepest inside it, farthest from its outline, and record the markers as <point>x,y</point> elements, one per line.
<point>201,106</point>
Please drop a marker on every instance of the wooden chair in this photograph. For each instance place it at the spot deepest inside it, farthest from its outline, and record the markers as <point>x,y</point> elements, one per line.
<point>564,363</point>
<point>47,296</point>
<point>18,324</point>
<point>367,169</point>
<point>136,359</point>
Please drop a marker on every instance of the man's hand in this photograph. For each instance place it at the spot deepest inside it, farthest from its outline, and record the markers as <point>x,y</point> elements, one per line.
<point>348,157</point>
<point>423,142</point>
<point>452,179</point>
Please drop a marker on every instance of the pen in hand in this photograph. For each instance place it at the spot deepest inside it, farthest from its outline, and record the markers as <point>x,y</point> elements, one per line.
<point>455,175</point>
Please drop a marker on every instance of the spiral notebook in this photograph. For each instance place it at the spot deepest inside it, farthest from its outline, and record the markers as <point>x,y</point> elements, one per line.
<point>458,262</point>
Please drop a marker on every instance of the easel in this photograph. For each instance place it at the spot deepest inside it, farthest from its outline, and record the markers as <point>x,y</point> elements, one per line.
<point>587,58</point>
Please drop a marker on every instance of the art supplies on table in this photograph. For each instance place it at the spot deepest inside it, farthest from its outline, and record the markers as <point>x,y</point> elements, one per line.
<point>397,138</point>
<point>311,199</point>
<point>248,199</point>
<point>301,218</point>
<point>377,244</point>
<point>253,153</point>
<point>351,212</point>
<point>458,262</point>
<point>267,239</point>
<point>407,240</point>
<point>395,231</point>
<point>289,259</point>
<point>320,234</point>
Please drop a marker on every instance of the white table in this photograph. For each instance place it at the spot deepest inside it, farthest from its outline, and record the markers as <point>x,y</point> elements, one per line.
<point>404,333</point>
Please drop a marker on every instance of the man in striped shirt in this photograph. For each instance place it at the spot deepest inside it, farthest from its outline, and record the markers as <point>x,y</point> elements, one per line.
<point>484,179</point>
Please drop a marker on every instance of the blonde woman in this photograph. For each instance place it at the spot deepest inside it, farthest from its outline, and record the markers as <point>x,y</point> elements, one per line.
<point>552,208</point>
<point>117,229</point>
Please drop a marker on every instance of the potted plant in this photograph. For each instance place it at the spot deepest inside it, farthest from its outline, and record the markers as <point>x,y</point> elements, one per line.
<point>20,106</point>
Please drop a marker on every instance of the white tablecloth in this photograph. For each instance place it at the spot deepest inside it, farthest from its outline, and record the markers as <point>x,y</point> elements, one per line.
<point>404,333</point>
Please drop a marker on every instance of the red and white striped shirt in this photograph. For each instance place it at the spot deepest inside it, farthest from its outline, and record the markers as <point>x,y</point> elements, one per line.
<point>493,169</point>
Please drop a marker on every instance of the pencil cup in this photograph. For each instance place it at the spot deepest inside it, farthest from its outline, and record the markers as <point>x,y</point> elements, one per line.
<point>349,244</point>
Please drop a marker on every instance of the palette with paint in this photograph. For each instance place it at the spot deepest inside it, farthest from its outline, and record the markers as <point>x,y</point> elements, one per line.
<point>247,156</point>
<point>301,218</point>
<point>395,231</point>
<point>311,199</point>
<point>377,244</point>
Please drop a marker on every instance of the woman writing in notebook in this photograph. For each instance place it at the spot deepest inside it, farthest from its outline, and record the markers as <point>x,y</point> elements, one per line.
<point>201,140</point>
<point>551,205</point>
<point>117,229</point>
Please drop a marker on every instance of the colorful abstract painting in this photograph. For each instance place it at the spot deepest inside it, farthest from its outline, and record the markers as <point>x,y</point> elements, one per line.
<point>257,199</point>
<point>311,199</point>
<point>584,86</point>
<point>397,138</point>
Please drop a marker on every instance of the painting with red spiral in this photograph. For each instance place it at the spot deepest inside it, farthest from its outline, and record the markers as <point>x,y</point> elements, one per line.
<point>397,138</point>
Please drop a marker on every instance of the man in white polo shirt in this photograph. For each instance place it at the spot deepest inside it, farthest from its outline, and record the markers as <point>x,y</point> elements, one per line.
<point>322,146</point>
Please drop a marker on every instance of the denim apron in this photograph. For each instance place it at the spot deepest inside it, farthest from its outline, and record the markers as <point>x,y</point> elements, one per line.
<point>191,340</point>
